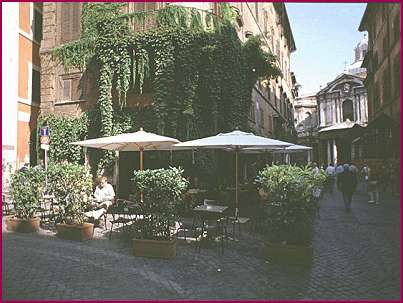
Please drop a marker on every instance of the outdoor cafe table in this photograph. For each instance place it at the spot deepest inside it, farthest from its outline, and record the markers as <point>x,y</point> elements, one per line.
<point>206,212</point>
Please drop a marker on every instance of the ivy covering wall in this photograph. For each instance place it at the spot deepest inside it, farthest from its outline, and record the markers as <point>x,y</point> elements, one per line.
<point>199,73</point>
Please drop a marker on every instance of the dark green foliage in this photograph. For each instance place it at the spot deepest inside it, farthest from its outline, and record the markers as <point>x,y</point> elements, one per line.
<point>71,185</point>
<point>64,130</point>
<point>162,190</point>
<point>27,187</point>
<point>290,210</point>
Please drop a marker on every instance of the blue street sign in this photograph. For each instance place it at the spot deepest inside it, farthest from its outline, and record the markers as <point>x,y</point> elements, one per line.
<point>44,131</point>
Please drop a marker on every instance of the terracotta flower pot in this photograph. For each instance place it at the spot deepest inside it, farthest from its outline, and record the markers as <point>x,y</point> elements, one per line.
<point>291,254</point>
<point>154,248</point>
<point>22,225</point>
<point>75,232</point>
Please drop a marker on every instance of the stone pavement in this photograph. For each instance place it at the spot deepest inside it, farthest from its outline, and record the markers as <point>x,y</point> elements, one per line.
<point>356,256</point>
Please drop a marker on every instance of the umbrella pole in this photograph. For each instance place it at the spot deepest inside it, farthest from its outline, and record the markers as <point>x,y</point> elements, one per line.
<point>141,159</point>
<point>236,181</point>
<point>141,168</point>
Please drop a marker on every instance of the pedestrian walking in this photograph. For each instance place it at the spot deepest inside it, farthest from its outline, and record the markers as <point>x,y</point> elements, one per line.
<point>373,186</point>
<point>346,183</point>
<point>331,174</point>
<point>315,168</point>
<point>339,169</point>
<point>365,176</point>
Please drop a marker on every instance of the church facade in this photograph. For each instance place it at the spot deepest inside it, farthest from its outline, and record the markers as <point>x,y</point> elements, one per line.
<point>343,111</point>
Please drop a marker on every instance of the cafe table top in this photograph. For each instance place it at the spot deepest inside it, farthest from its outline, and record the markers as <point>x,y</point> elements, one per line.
<point>217,209</point>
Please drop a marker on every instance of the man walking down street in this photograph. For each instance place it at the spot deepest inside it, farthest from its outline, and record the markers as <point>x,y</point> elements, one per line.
<point>346,183</point>
<point>330,173</point>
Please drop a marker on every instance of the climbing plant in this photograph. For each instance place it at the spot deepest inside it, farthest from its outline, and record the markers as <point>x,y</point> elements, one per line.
<point>64,130</point>
<point>199,73</point>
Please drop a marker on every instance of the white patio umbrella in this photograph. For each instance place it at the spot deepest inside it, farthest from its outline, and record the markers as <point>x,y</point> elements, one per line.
<point>294,149</point>
<point>237,141</point>
<point>137,141</point>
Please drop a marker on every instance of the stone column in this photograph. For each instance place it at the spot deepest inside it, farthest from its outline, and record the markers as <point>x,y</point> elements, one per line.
<point>334,151</point>
<point>329,153</point>
<point>334,114</point>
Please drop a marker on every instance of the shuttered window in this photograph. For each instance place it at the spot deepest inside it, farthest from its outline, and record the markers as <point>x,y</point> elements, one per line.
<point>37,25</point>
<point>70,16</point>
<point>70,88</point>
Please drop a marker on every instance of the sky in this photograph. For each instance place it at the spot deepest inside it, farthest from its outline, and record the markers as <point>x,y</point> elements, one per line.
<point>325,36</point>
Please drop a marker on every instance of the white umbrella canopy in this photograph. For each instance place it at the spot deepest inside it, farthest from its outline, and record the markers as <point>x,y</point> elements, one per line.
<point>137,141</point>
<point>293,149</point>
<point>236,140</point>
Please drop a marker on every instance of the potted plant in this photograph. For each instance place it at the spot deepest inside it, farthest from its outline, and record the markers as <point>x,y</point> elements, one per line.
<point>162,191</point>
<point>26,188</point>
<point>290,211</point>
<point>71,184</point>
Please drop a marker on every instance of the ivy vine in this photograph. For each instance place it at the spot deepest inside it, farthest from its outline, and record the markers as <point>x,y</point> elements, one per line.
<point>201,74</point>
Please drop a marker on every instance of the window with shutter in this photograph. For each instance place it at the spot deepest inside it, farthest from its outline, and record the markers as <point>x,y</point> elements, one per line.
<point>70,16</point>
<point>66,85</point>
<point>76,89</point>
<point>70,88</point>
<point>37,22</point>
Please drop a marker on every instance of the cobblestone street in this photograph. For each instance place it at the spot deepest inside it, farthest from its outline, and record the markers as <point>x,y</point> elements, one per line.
<point>356,256</point>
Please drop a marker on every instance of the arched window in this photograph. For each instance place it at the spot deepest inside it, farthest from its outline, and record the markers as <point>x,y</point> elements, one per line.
<point>348,112</point>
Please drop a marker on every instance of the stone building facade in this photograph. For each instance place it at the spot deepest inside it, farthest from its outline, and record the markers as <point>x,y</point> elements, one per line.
<point>22,33</point>
<point>306,122</point>
<point>271,113</point>
<point>382,21</point>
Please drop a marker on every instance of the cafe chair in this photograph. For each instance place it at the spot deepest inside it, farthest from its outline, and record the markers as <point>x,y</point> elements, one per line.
<point>190,229</point>
<point>121,214</point>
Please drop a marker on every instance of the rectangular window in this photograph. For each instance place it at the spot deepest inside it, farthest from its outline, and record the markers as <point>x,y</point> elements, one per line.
<point>37,24</point>
<point>70,88</point>
<point>66,96</point>
<point>70,21</point>
<point>36,86</point>
<point>142,6</point>
<point>329,114</point>
<point>261,118</point>
<point>396,76</point>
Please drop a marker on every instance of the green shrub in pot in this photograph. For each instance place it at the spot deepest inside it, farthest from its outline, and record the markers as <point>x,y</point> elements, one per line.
<point>291,205</point>
<point>71,184</point>
<point>162,191</point>
<point>27,187</point>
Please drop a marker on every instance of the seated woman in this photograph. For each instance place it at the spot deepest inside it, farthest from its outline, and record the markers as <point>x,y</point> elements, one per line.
<point>104,197</point>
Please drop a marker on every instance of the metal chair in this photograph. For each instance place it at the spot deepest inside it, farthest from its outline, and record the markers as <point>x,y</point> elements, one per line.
<point>6,203</point>
<point>190,227</point>
<point>122,214</point>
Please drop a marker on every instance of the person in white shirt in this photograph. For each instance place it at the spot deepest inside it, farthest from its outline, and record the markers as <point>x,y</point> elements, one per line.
<point>104,196</point>
<point>330,173</point>
<point>315,168</point>
<point>104,193</point>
